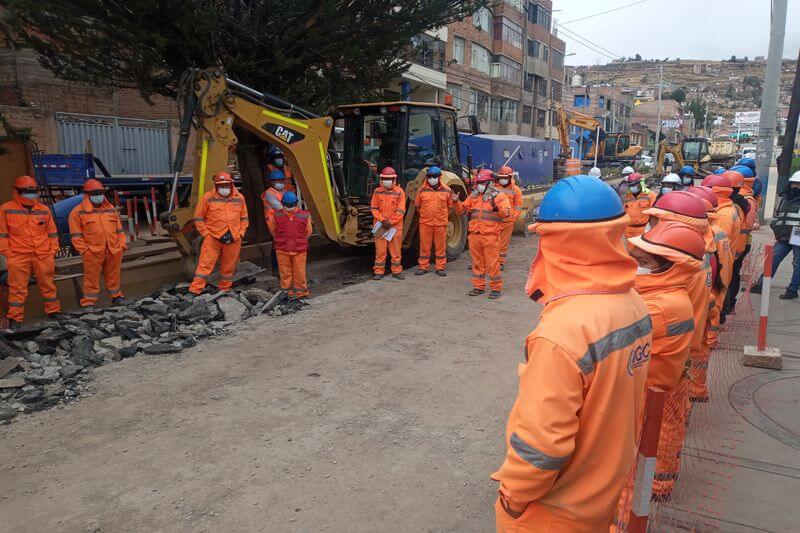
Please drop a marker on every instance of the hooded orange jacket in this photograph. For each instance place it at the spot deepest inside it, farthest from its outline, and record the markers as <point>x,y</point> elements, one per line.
<point>389,204</point>
<point>433,205</point>
<point>728,218</point>
<point>27,229</point>
<point>635,207</point>
<point>573,430</point>
<point>215,215</point>
<point>483,218</point>
<point>96,228</point>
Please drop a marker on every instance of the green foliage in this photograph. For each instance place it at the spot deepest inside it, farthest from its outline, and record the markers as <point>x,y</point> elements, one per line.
<point>795,164</point>
<point>752,81</point>
<point>698,109</point>
<point>679,95</point>
<point>9,133</point>
<point>315,53</point>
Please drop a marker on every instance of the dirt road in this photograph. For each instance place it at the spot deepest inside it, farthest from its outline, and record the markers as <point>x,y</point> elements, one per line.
<point>380,408</point>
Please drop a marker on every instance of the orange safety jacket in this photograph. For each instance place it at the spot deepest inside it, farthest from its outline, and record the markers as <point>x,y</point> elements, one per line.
<point>724,250</point>
<point>27,229</point>
<point>215,215</point>
<point>433,205</point>
<point>573,430</point>
<point>96,228</point>
<point>389,204</point>
<point>287,172</point>
<point>485,216</point>
<point>635,207</point>
<point>728,218</point>
<point>514,194</point>
<point>751,218</point>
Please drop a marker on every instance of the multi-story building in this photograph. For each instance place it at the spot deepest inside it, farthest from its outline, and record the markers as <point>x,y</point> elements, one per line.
<point>612,105</point>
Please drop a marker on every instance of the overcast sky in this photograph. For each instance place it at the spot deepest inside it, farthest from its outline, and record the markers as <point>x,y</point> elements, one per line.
<point>688,29</point>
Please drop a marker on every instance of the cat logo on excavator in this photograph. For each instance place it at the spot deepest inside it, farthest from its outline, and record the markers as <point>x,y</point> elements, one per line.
<point>282,132</point>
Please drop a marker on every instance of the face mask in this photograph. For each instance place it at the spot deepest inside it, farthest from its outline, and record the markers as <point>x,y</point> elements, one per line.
<point>433,181</point>
<point>641,271</point>
<point>503,182</point>
<point>224,191</point>
<point>279,162</point>
<point>97,199</point>
<point>30,195</point>
<point>386,183</point>
<point>665,190</point>
<point>291,209</point>
<point>635,190</point>
<point>687,181</point>
<point>482,187</point>
<point>279,185</point>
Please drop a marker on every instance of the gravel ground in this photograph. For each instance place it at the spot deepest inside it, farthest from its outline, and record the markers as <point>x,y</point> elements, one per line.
<point>381,407</point>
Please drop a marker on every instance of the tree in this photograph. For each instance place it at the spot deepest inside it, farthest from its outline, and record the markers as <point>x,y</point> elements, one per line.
<point>753,81</point>
<point>729,92</point>
<point>679,95</point>
<point>637,57</point>
<point>698,109</point>
<point>315,53</point>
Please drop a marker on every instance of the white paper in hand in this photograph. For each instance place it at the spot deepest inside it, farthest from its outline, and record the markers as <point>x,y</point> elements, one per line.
<point>794,240</point>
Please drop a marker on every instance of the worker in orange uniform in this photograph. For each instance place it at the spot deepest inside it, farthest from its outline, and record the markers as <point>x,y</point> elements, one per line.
<point>276,161</point>
<point>433,202</point>
<point>29,240</point>
<point>388,207</point>
<point>488,209</point>
<point>585,370</point>
<point>748,208</point>
<point>636,198</point>
<point>271,200</point>
<point>97,234</point>
<point>221,218</point>
<point>670,255</point>
<point>292,228</point>
<point>506,185</point>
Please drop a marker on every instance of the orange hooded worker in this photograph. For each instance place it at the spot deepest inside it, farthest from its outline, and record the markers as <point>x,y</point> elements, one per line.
<point>388,207</point>
<point>729,225</point>
<point>748,208</point>
<point>669,256</point>
<point>221,218</point>
<point>433,203</point>
<point>572,433</point>
<point>488,209</point>
<point>292,228</point>
<point>29,240</point>
<point>506,185</point>
<point>97,234</point>
<point>636,200</point>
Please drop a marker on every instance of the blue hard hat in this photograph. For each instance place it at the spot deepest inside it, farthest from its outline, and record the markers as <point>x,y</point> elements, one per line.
<point>289,199</point>
<point>276,175</point>
<point>580,199</point>
<point>720,170</point>
<point>757,187</point>
<point>688,169</point>
<point>434,171</point>
<point>747,172</point>
<point>275,151</point>
<point>747,162</point>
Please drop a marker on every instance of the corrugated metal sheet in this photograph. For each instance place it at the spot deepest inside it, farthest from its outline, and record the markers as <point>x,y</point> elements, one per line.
<point>124,145</point>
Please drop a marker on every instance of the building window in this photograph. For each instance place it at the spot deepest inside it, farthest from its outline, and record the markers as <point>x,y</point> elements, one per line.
<point>482,106</point>
<point>510,111</point>
<point>541,118</point>
<point>601,101</point>
<point>507,31</point>
<point>537,14</point>
<point>428,52</point>
<point>516,4</point>
<point>553,117</point>
<point>533,48</point>
<point>581,100</point>
<point>527,114</point>
<point>455,92</point>
<point>458,50</point>
<point>481,59</point>
<point>541,86</point>
<point>529,81</point>
<point>506,69</point>
<point>555,90</point>
<point>481,19</point>
<point>558,59</point>
<point>545,54</point>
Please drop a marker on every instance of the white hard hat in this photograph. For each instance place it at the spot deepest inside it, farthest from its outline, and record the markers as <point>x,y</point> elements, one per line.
<point>671,178</point>
<point>627,170</point>
<point>795,177</point>
<point>595,172</point>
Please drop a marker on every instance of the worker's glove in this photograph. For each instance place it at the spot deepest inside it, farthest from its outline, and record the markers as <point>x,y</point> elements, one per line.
<point>227,238</point>
<point>385,223</point>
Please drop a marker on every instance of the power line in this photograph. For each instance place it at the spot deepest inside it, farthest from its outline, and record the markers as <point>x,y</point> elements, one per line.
<point>604,12</point>
<point>592,45</point>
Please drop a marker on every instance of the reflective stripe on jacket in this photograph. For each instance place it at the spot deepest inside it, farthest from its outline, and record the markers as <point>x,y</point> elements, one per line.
<point>514,194</point>
<point>94,229</point>
<point>290,230</point>
<point>389,204</point>
<point>215,215</point>
<point>483,218</point>
<point>433,205</point>
<point>27,230</point>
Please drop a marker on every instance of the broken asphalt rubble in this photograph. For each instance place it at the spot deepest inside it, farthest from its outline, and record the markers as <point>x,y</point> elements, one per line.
<point>46,364</point>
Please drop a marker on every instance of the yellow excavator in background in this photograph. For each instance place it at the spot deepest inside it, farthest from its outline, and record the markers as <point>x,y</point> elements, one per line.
<point>231,118</point>
<point>692,151</point>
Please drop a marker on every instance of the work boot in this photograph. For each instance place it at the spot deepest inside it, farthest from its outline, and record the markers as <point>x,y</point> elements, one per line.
<point>88,309</point>
<point>118,300</point>
<point>421,272</point>
<point>441,273</point>
<point>475,292</point>
<point>398,276</point>
<point>377,277</point>
<point>756,288</point>
<point>55,316</point>
<point>494,295</point>
<point>13,325</point>
<point>788,295</point>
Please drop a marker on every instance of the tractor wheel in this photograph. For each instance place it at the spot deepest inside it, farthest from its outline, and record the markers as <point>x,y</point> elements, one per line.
<point>456,235</point>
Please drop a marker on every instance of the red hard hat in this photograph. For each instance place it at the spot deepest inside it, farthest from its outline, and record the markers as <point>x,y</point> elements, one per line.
<point>222,177</point>
<point>737,179</point>
<point>674,236</point>
<point>388,172</point>
<point>484,176</point>
<point>92,186</point>
<point>682,203</point>
<point>717,180</point>
<point>505,171</point>
<point>24,182</point>
<point>704,193</point>
<point>633,178</point>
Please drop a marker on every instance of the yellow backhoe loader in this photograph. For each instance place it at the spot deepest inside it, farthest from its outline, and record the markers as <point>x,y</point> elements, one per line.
<point>232,118</point>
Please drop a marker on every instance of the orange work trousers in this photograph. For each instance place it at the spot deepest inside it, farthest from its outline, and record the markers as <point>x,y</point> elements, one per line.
<point>670,440</point>
<point>292,269</point>
<point>538,518</point>
<point>211,251</point>
<point>110,266</point>
<point>485,252</point>
<point>20,266</point>
<point>698,390</point>
<point>436,235</point>
<point>505,240</point>
<point>393,247</point>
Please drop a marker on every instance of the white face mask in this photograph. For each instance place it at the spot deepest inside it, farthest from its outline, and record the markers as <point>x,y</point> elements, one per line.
<point>97,199</point>
<point>433,181</point>
<point>386,183</point>
<point>665,189</point>
<point>279,185</point>
<point>481,187</point>
<point>30,195</point>
<point>224,191</point>
<point>641,271</point>
<point>635,190</point>
<point>503,182</point>
<point>279,162</point>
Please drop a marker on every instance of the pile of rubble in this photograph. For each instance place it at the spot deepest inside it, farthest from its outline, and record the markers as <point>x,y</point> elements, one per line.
<point>46,365</point>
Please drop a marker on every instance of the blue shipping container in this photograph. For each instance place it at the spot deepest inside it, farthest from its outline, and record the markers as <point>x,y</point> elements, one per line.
<point>533,161</point>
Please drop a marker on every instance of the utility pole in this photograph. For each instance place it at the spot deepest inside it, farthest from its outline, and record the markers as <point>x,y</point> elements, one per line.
<point>785,159</point>
<point>769,102</point>
<point>658,121</point>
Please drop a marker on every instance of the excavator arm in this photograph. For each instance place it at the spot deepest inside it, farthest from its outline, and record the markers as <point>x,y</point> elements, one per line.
<point>580,120</point>
<point>664,147</point>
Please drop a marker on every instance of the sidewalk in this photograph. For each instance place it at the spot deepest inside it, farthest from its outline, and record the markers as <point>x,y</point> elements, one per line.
<point>741,462</point>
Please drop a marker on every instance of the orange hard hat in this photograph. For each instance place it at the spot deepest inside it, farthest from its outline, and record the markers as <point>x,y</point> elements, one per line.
<point>505,171</point>
<point>222,177</point>
<point>633,178</point>
<point>705,193</point>
<point>484,176</point>
<point>24,182</point>
<point>93,185</point>
<point>388,172</point>
<point>737,179</point>
<point>670,236</point>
